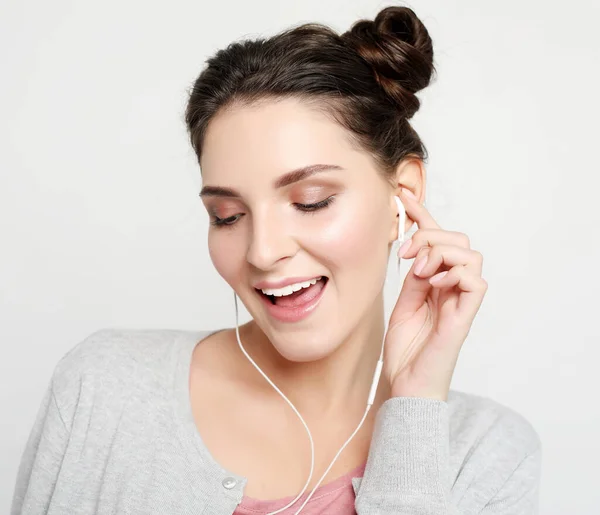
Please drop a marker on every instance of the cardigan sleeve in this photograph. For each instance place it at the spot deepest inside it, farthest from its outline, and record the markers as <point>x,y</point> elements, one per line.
<point>408,469</point>
<point>41,459</point>
<point>520,493</point>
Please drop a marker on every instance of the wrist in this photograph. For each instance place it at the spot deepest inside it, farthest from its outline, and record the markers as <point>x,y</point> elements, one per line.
<point>399,389</point>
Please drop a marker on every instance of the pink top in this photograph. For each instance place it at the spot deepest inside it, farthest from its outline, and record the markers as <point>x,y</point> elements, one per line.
<point>336,497</point>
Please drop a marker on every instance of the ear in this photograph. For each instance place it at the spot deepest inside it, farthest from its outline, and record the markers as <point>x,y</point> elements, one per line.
<point>411,175</point>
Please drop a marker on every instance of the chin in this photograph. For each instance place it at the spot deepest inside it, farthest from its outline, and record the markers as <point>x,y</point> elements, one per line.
<point>297,350</point>
<point>300,345</point>
<point>313,338</point>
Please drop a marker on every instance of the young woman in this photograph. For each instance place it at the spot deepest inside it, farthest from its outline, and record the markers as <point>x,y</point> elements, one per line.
<point>304,142</point>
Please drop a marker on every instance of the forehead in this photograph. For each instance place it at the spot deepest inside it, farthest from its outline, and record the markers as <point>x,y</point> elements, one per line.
<point>270,138</point>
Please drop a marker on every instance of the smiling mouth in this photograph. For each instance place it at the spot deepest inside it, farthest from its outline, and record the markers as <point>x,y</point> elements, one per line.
<point>299,297</point>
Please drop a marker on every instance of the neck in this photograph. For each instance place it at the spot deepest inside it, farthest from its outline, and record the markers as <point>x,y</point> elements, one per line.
<point>337,385</point>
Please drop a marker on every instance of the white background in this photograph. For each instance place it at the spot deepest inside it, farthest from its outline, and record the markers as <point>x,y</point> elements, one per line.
<point>101,224</point>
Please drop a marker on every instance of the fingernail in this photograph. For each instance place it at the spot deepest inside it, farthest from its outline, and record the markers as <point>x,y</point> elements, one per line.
<point>420,265</point>
<point>409,193</point>
<point>438,277</point>
<point>404,247</point>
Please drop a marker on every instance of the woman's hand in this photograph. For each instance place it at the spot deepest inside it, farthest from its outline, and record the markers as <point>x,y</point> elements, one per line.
<point>431,319</point>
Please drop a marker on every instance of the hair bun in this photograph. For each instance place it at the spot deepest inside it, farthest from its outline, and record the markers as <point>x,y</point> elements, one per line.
<point>399,49</point>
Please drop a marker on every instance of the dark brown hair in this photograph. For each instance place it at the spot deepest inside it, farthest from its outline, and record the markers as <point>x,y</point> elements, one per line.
<point>365,78</point>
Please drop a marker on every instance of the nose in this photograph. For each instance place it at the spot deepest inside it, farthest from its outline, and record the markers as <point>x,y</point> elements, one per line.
<point>270,241</point>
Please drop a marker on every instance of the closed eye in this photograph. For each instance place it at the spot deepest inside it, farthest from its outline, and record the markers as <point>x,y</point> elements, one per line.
<point>230,220</point>
<point>305,208</point>
<point>316,206</point>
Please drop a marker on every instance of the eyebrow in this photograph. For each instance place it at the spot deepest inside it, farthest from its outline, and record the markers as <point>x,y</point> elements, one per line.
<point>285,180</point>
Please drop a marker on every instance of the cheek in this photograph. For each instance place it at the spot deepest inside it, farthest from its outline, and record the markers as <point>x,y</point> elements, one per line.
<point>354,237</point>
<point>224,252</point>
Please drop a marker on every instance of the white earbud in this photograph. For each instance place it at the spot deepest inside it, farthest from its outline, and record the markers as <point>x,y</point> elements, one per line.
<point>372,392</point>
<point>401,219</point>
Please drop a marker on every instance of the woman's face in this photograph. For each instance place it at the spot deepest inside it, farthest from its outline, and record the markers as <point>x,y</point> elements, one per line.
<point>335,220</point>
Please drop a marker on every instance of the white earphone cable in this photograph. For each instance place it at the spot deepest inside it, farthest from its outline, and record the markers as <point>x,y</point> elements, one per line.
<point>312,445</point>
<point>372,393</point>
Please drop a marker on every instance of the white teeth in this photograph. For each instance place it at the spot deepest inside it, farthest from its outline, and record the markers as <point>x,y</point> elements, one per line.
<point>291,288</point>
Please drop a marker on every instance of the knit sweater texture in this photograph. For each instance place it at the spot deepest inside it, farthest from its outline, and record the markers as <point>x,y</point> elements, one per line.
<point>115,434</point>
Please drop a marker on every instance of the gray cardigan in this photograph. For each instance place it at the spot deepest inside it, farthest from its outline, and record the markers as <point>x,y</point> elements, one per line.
<point>115,435</point>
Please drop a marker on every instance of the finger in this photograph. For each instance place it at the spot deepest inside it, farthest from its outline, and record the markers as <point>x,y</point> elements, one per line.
<point>417,211</point>
<point>429,237</point>
<point>472,288</point>
<point>449,256</point>
<point>413,293</point>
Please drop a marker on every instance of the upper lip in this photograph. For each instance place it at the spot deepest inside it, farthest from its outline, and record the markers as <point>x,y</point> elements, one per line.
<point>264,285</point>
